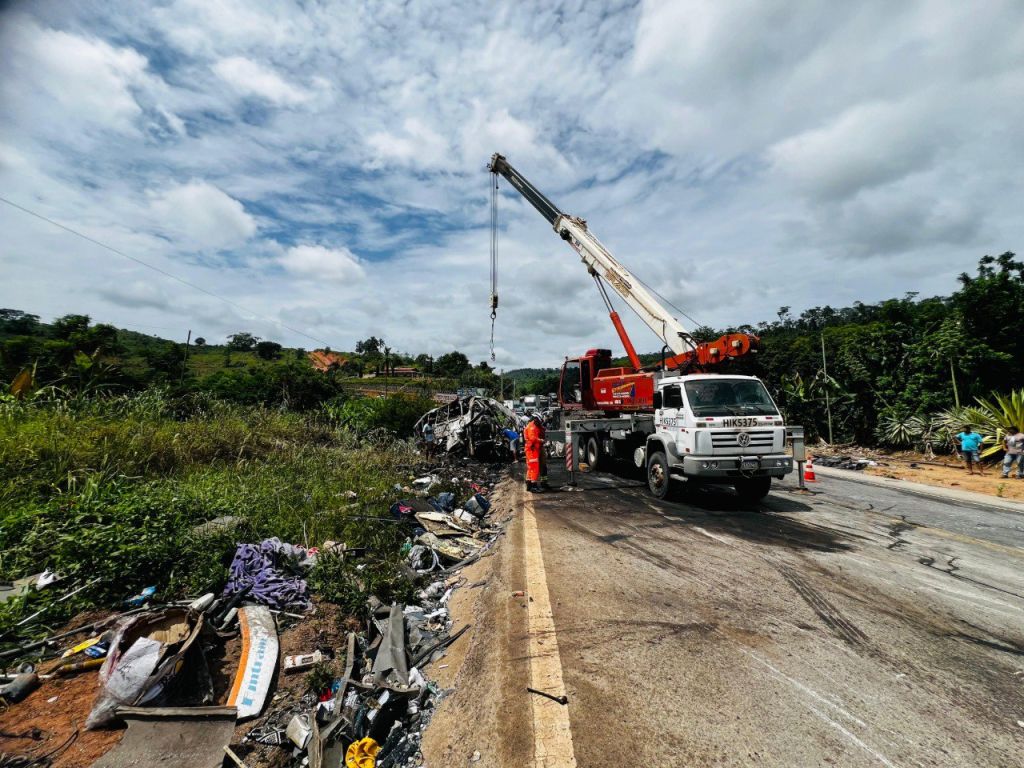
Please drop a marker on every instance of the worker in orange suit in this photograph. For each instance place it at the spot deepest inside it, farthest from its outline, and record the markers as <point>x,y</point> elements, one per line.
<point>533,437</point>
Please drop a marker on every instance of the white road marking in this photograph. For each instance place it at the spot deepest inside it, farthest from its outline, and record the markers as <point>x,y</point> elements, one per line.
<point>716,537</point>
<point>780,675</point>
<point>553,747</point>
<point>800,686</point>
<point>852,737</point>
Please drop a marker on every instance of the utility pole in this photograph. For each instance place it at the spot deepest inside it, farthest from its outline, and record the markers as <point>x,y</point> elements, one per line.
<point>501,384</point>
<point>184,363</point>
<point>387,354</point>
<point>828,404</point>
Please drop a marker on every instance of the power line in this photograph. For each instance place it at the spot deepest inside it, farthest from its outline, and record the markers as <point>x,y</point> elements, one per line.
<point>677,309</point>
<point>137,260</point>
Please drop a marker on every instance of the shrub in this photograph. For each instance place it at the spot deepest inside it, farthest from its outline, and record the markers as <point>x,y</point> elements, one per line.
<point>398,413</point>
<point>112,488</point>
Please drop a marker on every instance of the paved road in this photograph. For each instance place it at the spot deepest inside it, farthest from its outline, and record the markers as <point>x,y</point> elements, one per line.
<point>855,626</point>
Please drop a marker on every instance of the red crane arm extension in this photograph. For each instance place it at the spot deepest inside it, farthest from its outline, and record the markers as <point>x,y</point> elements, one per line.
<point>712,352</point>
<point>634,359</point>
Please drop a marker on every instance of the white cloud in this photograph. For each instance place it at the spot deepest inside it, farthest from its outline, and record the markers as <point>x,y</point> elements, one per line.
<point>416,144</point>
<point>86,78</point>
<point>253,79</point>
<point>199,216</point>
<point>868,145</point>
<point>138,293</point>
<point>783,145</point>
<point>315,262</point>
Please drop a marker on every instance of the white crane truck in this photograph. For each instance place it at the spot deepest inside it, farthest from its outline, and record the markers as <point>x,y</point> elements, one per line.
<point>672,418</point>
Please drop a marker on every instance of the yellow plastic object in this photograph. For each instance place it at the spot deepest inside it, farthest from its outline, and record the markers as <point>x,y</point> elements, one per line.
<point>81,646</point>
<point>362,754</point>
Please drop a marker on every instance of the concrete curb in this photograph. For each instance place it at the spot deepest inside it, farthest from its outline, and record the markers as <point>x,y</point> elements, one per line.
<point>920,489</point>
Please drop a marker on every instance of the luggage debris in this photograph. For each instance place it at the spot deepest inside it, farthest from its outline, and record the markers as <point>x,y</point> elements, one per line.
<point>273,571</point>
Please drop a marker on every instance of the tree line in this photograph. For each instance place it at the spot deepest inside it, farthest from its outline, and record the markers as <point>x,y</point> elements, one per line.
<point>75,356</point>
<point>901,371</point>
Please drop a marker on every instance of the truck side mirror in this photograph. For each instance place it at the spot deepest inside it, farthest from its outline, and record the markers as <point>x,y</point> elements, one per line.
<point>657,399</point>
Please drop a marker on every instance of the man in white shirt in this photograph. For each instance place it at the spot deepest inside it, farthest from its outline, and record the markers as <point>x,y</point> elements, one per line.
<point>1014,446</point>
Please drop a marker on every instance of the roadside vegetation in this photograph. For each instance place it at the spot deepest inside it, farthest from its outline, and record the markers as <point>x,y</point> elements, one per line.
<point>110,489</point>
<point>903,372</point>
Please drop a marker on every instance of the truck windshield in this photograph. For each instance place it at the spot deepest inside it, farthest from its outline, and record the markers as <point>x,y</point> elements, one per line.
<point>729,397</point>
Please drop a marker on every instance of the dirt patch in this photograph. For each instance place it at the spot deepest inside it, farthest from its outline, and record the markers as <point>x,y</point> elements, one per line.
<point>944,472</point>
<point>58,720</point>
<point>951,476</point>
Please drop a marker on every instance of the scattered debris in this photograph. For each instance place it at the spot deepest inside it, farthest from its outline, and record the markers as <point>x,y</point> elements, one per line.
<point>272,571</point>
<point>362,754</point>
<point>21,587</point>
<point>142,598</point>
<point>147,651</point>
<point>301,662</point>
<point>563,700</point>
<point>259,659</point>
<point>365,699</point>
<point>845,462</point>
<point>16,688</point>
<point>234,758</point>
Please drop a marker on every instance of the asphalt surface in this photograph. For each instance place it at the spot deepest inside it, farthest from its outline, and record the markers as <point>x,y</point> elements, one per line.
<point>853,626</point>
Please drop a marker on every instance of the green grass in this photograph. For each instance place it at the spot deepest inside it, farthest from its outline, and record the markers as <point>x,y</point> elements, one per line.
<point>202,361</point>
<point>112,489</point>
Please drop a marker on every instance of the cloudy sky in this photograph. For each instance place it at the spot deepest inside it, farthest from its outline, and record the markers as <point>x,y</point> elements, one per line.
<point>322,165</point>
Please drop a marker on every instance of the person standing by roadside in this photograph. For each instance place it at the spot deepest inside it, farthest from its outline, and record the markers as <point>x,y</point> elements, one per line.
<point>533,440</point>
<point>428,440</point>
<point>1013,443</point>
<point>970,444</point>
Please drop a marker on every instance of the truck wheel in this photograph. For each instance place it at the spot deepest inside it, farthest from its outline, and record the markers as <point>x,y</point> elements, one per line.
<point>657,475</point>
<point>754,488</point>
<point>592,453</point>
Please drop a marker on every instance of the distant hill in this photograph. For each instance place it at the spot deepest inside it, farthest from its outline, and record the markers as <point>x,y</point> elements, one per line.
<point>522,374</point>
<point>72,352</point>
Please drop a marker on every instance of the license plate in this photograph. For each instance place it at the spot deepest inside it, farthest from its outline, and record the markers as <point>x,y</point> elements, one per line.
<point>749,464</point>
<point>741,421</point>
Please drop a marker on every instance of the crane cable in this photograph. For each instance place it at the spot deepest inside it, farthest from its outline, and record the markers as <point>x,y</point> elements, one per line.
<point>494,260</point>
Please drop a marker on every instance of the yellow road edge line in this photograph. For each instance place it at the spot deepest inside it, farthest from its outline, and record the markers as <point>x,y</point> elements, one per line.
<point>552,733</point>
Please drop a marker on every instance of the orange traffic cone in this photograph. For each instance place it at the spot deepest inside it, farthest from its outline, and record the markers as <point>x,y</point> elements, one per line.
<point>809,471</point>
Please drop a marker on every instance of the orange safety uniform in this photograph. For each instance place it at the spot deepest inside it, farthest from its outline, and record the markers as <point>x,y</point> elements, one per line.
<point>533,439</point>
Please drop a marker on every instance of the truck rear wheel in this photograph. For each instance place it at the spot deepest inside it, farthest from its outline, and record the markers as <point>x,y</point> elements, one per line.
<point>753,489</point>
<point>592,453</point>
<point>658,480</point>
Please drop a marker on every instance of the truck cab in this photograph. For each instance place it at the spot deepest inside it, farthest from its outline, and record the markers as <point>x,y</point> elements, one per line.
<point>716,429</point>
